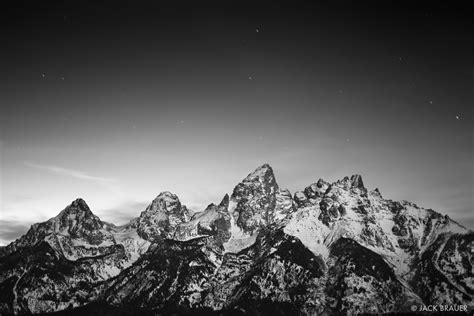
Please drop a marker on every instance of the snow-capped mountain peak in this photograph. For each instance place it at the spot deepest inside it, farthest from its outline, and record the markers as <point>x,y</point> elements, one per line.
<point>166,201</point>
<point>261,171</point>
<point>330,247</point>
<point>77,220</point>
<point>162,216</point>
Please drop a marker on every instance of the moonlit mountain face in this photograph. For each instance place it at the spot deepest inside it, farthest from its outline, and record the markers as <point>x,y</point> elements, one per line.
<point>116,101</point>
<point>153,112</point>
<point>331,248</point>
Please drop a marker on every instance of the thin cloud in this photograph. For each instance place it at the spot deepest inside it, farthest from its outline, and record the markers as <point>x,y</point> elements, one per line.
<point>123,212</point>
<point>11,230</point>
<point>71,173</point>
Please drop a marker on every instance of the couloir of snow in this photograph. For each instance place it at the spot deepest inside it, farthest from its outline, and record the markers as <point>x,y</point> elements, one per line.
<point>305,225</point>
<point>239,240</point>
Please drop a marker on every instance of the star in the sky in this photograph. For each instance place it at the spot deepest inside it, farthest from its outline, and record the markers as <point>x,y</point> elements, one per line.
<point>43,75</point>
<point>257,30</point>
<point>431,102</point>
<point>457,117</point>
<point>62,78</point>
<point>250,77</point>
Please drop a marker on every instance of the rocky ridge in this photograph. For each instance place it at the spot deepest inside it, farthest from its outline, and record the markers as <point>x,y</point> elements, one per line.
<point>329,248</point>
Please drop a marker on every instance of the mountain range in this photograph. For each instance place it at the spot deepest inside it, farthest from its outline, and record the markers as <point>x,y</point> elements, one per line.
<point>331,248</point>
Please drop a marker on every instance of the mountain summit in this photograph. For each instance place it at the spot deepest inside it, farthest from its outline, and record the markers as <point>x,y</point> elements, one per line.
<point>331,248</point>
<point>161,217</point>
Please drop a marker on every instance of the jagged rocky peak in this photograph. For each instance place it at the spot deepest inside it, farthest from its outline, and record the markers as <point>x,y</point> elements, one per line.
<point>79,204</point>
<point>376,193</point>
<point>170,204</point>
<point>263,174</point>
<point>356,181</point>
<point>311,194</point>
<point>261,181</point>
<point>353,182</point>
<point>162,216</point>
<point>77,209</point>
<point>316,190</point>
<point>255,199</point>
<point>76,219</point>
<point>348,249</point>
<point>225,202</point>
<point>348,192</point>
<point>165,201</point>
<point>74,227</point>
<point>300,198</point>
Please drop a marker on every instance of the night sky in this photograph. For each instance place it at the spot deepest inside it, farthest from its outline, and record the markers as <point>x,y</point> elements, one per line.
<point>116,102</point>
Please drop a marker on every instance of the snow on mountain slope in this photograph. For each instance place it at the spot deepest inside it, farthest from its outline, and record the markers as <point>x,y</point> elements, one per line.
<point>134,245</point>
<point>330,248</point>
<point>67,255</point>
<point>399,231</point>
<point>75,233</point>
<point>239,239</point>
<point>213,219</point>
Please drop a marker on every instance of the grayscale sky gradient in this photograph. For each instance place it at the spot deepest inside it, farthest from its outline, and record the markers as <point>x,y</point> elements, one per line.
<point>115,103</point>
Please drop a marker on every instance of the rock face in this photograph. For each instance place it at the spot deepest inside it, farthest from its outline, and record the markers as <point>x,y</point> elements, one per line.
<point>332,248</point>
<point>58,263</point>
<point>75,233</point>
<point>214,220</point>
<point>255,199</point>
<point>161,217</point>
